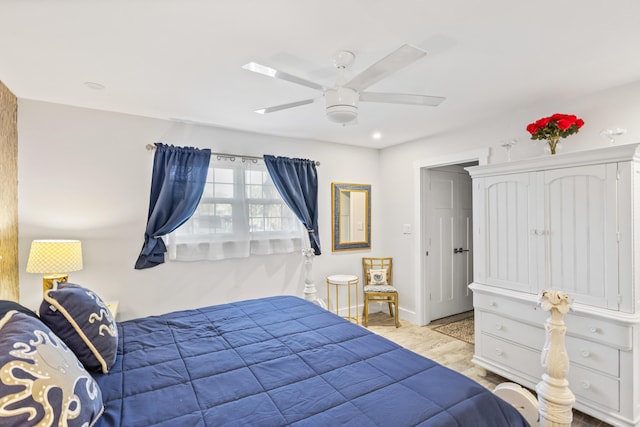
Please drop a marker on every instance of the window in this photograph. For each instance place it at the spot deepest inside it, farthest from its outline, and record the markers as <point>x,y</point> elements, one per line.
<point>241,213</point>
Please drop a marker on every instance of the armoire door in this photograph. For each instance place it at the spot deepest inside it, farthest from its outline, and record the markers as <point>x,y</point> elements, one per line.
<point>580,230</point>
<point>507,245</point>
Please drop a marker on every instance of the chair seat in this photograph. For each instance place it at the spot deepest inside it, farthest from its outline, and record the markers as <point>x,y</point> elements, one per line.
<point>379,288</point>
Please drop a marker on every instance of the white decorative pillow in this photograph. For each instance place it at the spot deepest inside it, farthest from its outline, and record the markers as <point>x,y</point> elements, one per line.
<point>42,383</point>
<point>378,276</point>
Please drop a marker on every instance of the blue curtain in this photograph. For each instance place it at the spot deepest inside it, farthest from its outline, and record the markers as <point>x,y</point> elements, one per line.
<point>297,183</point>
<point>179,175</point>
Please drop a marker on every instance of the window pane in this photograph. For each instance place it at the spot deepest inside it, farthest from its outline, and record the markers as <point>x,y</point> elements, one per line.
<point>224,191</point>
<point>270,192</point>
<point>256,225</point>
<point>205,223</point>
<point>254,177</point>
<point>254,191</point>
<point>274,210</point>
<point>208,190</point>
<point>273,224</point>
<point>256,210</point>
<point>224,215</point>
<point>223,175</point>
<point>291,223</point>
<point>224,209</point>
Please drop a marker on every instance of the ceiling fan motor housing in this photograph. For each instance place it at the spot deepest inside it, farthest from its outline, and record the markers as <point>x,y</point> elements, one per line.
<point>342,104</point>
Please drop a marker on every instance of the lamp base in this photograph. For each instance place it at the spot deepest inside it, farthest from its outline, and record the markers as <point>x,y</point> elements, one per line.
<point>47,281</point>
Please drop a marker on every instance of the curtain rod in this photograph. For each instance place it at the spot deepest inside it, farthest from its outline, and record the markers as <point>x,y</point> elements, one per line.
<point>152,147</point>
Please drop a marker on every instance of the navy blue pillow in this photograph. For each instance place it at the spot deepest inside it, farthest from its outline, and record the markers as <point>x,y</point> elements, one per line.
<point>83,321</point>
<point>41,380</point>
<point>7,305</point>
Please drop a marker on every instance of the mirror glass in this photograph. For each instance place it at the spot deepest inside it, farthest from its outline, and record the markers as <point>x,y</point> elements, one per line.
<point>351,216</point>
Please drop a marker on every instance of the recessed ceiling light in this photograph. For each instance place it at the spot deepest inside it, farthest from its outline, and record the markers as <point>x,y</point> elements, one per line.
<point>94,85</point>
<point>376,135</point>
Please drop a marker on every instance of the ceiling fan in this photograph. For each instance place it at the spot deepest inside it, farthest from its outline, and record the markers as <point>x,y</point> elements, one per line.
<point>342,99</point>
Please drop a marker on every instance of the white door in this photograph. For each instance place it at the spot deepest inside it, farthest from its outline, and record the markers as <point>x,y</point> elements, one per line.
<point>448,241</point>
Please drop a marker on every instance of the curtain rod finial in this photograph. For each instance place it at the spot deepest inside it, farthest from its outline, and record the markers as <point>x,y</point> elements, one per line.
<point>150,147</point>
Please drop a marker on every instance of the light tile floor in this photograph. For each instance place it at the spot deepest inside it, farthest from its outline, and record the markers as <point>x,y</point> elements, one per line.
<point>449,351</point>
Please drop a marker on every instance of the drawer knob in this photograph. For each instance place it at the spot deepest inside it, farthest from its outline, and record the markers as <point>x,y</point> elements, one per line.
<point>585,353</point>
<point>498,352</point>
<point>493,304</point>
<point>594,329</point>
<point>498,327</point>
<point>585,384</point>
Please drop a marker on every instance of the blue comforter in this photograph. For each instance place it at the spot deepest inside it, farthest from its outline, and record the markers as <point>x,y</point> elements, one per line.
<point>282,361</point>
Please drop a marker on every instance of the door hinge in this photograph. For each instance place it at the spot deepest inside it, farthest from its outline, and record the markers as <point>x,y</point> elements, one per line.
<point>427,253</point>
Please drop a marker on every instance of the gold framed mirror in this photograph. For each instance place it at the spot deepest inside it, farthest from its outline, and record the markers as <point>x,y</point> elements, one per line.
<point>350,216</point>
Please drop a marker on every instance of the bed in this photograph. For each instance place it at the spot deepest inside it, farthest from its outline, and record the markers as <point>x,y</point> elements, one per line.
<point>281,361</point>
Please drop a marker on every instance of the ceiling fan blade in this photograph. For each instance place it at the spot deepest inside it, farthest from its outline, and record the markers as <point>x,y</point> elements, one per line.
<point>401,98</point>
<point>391,63</point>
<point>284,106</point>
<point>276,74</point>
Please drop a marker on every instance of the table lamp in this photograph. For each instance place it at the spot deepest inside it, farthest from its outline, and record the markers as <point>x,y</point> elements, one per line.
<point>54,259</point>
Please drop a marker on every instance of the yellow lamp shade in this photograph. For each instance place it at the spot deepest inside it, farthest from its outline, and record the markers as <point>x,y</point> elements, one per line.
<point>54,259</point>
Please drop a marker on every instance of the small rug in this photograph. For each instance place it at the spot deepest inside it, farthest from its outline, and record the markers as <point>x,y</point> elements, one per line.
<point>461,329</point>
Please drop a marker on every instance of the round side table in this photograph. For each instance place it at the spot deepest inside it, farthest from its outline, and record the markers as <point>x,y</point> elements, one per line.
<point>338,281</point>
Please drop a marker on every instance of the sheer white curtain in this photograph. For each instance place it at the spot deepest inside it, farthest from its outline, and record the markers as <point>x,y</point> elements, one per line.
<point>240,214</point>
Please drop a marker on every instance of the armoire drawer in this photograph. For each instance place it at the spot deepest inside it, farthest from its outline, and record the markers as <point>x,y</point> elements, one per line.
<point>599,330</point>
<point>584,352</point>
<point>510,330</point>
<point>511,355</point>
<point>584,383</point>
<point>521,310</point>
<point>593,355</point>
<point>597,388</point>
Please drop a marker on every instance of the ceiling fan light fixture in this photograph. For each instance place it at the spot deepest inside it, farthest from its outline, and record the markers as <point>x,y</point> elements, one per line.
<point>342,99</point>
<point>342,104</point>
<point>342,113</point>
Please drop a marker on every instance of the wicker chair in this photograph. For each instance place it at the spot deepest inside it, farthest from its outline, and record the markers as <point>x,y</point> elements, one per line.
<point>378,286</point>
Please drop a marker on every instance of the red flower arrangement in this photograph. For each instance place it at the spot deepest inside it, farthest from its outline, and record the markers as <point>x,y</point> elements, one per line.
<point>554,127</point>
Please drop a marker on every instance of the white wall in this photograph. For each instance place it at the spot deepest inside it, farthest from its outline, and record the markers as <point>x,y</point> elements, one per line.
<point>619,107</point>
<point>85,174</point>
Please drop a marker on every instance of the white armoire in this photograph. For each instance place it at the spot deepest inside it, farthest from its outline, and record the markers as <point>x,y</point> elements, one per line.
<point>569,222</point>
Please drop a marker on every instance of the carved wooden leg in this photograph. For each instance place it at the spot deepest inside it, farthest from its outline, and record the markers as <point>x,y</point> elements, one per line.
<point>555,399</point>
<point>310,291</point>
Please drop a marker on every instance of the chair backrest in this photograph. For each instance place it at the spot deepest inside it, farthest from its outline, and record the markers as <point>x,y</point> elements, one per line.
<point>375,264</point>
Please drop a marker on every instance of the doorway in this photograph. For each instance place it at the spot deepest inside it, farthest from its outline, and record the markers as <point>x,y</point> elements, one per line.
<point>448,239</point>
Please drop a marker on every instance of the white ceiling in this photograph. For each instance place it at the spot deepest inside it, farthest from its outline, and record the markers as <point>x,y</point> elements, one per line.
<point>181,59</point>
